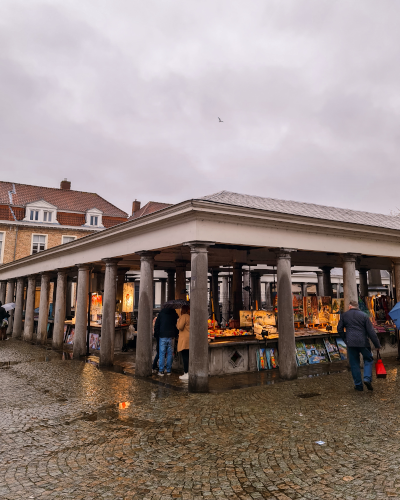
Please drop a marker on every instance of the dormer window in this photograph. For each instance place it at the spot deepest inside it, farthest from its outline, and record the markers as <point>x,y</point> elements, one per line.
<point>94,218</point>
<point>41,211</point>
<point>47,216</point>
<point>34,215</point>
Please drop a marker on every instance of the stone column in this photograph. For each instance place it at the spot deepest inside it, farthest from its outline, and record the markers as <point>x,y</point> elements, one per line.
<point>10,298</point>
<point>19,307</point>
<point>320,285</point>
<point>326,279</point>
<point>363,277</point>
<point>198,361</point>
<point>246,293</point>
<point>81,315</point>
<point>68,298</point>
<point>30,309</point>
<point>268,295</point>
<point>171,284</point>
<point>304,291</point>
<point>43,308</point>
<point>237,301</point>
<point>180,290</point>
<point>225,300</point>
<point>108,322</point>
<point>374,277</point>
<point>349,279</point>
<point>3,288</point>
<point>396,272</point>
<point>163,282</point>
<point>215,295</point>
<point>60,308</point>
<point>286,342</point>
<point>144,342</point>
<point>256,289</point>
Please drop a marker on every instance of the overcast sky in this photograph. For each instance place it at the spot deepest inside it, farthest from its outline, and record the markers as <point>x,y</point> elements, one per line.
<point>122,98</point>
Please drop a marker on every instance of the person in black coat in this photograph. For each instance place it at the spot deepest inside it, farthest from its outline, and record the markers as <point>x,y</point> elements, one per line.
<point>356,330</point>
<point>166,331</point>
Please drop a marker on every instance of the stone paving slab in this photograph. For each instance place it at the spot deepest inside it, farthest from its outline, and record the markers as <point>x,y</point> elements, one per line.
<point>69,430</point>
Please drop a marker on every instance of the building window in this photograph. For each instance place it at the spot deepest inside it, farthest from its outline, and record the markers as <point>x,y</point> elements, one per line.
<point>2,235</point>
<point>94,220</point>
<point>38,243</point>
<point>67,239</point>
<point>47,216</point>
<point>34,215</point>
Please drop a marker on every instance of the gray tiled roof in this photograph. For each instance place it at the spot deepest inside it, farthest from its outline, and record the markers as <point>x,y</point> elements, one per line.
<point>305,209</point>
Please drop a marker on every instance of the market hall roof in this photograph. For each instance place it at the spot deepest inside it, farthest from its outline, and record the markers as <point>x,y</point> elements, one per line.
<point>305,209</point>
<point>149,208</point>
<point>64,199</point>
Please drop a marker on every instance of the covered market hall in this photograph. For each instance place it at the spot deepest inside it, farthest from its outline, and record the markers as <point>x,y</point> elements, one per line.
<point>221,234</point>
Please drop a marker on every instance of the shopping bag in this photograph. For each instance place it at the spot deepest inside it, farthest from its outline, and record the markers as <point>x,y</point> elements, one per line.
<point>380,369</point>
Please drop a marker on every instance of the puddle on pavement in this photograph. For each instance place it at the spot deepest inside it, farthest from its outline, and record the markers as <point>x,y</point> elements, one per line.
<point>112,414</point>
<point>307,395</point>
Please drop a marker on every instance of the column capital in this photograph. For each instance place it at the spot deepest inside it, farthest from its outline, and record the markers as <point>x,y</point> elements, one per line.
<point>318,273</point>
<point>83,267</point>
<point>110,261</point>
<point>350,257</point>
<point>170,271</point>
<point>147,255</point>
<point>396,260</point>
<point>21,279</point>
<point>45,273</point>
<point>284,253</point>
<point>61,270</point>
<point>162,280</point>
<point>326,269</point>
<point>364,270</point>
<point>197,246</point>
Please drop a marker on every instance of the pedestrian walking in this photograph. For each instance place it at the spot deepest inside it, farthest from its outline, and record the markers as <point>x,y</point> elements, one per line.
<point>183,325</point>
<point>356,330</point>
<point>157,356</point>
<point>166,330</point>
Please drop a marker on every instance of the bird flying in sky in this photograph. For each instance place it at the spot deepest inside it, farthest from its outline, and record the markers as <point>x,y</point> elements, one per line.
<point>221,121</point>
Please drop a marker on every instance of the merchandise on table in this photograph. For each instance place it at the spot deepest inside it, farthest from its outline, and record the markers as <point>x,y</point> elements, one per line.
<point>342,348</point>
<point>301,354</point>
<point>316,352</point>
<point>332,349</point>
<point>94,341</point>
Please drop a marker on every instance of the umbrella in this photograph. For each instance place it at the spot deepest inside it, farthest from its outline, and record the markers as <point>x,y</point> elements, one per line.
<point>395,314</point>
<point>9,307</point>
<point>175,304</point>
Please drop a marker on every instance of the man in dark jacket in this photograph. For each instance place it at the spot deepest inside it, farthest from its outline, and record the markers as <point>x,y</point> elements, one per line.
<point>359,331</point>
<point>166,331</point>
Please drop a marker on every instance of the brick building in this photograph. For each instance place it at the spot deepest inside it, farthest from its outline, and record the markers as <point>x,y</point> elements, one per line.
<point>34,218</point>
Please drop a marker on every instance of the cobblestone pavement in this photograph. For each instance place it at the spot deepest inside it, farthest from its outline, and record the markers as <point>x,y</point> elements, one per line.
<point>69,430</point>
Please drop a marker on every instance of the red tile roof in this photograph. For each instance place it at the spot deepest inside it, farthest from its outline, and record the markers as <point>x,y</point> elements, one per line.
<point>63,199</point>
<point>149,208</point>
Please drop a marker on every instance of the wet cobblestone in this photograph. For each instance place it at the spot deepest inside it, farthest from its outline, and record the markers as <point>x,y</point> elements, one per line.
<point>64,433</point>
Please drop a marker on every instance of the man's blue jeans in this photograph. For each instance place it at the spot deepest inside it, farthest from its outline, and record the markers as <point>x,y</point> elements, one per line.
<point>166,347</point>
<point>354,360</point>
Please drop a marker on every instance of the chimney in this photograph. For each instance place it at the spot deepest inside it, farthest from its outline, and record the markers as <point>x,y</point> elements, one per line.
<point>135,206</point>
<point>65,185</point>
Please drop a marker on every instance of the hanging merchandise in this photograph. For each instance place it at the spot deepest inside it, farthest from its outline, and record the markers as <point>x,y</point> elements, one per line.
<point>128,297</point>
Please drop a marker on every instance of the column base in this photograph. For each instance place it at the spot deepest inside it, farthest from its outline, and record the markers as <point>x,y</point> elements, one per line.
<point>198,383</point>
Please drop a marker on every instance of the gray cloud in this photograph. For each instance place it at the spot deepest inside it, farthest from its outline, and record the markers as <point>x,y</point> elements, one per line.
<point>122,98</point>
